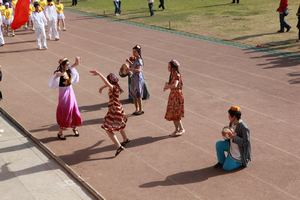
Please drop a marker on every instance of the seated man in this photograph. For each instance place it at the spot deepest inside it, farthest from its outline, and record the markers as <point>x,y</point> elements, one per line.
<point>236,143</point>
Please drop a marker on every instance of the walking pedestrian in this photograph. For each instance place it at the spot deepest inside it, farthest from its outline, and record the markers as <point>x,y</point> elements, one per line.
<point>161,4</point>
<point>60,15</point>
<point>283,12</point>
<point>51,16</point>
<point>39,22</point>
<point>117,4</point>
<point>150,5</point>
<point>298,24</point>
<point>1,34</point>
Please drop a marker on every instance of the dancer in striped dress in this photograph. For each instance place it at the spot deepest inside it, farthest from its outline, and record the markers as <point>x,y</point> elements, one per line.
<point>115,119</point>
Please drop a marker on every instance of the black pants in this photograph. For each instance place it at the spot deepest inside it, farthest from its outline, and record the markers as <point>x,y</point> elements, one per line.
<point>237,1</point>
<point>283,23</point>
<point>161,4</point>
<point>151,9</point>
<point>117,7</point>
<point>74,2</point>
<point>299,34</point>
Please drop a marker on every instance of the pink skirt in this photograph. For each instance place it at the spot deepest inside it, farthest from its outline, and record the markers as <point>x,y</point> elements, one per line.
<point>67,112</point>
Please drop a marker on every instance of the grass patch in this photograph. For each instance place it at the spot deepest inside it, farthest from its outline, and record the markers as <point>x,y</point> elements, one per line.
<point>251,22</point>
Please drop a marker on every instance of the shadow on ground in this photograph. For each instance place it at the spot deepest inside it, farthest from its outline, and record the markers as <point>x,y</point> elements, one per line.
<point>188,177</point>
<point>82,155</point>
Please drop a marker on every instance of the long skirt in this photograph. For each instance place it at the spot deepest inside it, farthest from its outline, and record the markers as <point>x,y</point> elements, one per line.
<point>67,112</point>
<point>175,107</point>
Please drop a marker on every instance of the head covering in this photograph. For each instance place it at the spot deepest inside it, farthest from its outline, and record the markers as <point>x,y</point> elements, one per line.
<point>1,1</point>
<point>112,78</point>
<point>137,47</point>
<point>6,4</point>
<point>235,108</point>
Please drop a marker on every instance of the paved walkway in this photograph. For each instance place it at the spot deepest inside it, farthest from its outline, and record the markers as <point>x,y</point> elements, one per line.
<point>154,166</point>
<point>27,173</point>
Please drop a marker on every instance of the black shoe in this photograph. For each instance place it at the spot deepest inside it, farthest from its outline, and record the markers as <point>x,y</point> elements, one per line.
<point>218,165</point>
<point>288,29</point>
<point>76,133</point>
<point>121,148</point>
<point>280,31</point>
<point>61,136</point>
<point>125,142</point>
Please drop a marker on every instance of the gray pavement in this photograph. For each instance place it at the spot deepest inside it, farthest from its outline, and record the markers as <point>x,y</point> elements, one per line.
<point>27,173</point>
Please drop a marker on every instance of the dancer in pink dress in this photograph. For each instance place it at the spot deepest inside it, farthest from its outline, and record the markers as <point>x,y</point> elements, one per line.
<point>67,113</point>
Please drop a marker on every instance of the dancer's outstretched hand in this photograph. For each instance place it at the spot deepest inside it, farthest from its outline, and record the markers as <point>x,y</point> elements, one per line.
<point>94,72</point>
<point>77,60</point>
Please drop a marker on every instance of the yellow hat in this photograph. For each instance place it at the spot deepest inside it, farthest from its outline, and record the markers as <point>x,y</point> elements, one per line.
<point>235,108</point>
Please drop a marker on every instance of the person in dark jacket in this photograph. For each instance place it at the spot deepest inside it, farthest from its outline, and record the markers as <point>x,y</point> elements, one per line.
<point>283,12</point>
<point>237,1</point>
<point>236,143</point>
<point>298,24</point>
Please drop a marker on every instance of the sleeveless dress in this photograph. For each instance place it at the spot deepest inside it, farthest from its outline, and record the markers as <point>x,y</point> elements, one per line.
<point>115,119</point>
<point>175,107</point>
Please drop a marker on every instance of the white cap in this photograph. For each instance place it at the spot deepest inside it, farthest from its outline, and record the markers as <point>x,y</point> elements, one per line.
<point>6,4</point>
<point>1,1</point>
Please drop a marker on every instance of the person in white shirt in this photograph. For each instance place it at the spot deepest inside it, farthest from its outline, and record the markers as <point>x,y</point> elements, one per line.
<point>39,22</point>
<point>117,4</point>
<point>51,16</point>
<point>150,5</point>
<point>1,34</point>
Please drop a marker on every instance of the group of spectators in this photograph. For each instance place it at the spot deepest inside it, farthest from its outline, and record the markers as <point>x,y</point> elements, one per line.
<point>117,4</point>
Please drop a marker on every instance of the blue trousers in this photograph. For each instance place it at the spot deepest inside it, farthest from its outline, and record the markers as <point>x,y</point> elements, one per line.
<point>228,162</point>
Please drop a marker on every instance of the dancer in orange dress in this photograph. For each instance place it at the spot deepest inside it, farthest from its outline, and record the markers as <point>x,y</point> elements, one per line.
<point>175,108</point>
<point>115,119</point>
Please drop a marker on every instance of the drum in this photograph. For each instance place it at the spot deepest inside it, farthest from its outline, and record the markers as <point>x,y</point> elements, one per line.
<point>124,70</point>
<point>226,132</point>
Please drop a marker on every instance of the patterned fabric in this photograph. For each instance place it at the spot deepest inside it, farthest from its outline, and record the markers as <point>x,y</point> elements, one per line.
<point>115,119</point>
<point>175,108</point>
<point>137,80</point>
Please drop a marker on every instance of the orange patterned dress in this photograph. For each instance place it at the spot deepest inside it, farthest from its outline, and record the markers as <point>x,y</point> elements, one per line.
<point>115,119</point>
<point>175,108</point>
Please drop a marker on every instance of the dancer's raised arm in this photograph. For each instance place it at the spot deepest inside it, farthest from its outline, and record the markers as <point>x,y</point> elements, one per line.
<point>104,79</point>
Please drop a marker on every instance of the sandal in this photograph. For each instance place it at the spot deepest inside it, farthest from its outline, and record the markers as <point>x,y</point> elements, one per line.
<point>173,134</point>
<point>125,142</point>
<point>135,113</point>
<point>139,112</point>
<point>121,148</point>
<point>75,131</point>
<point>61,136</point>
